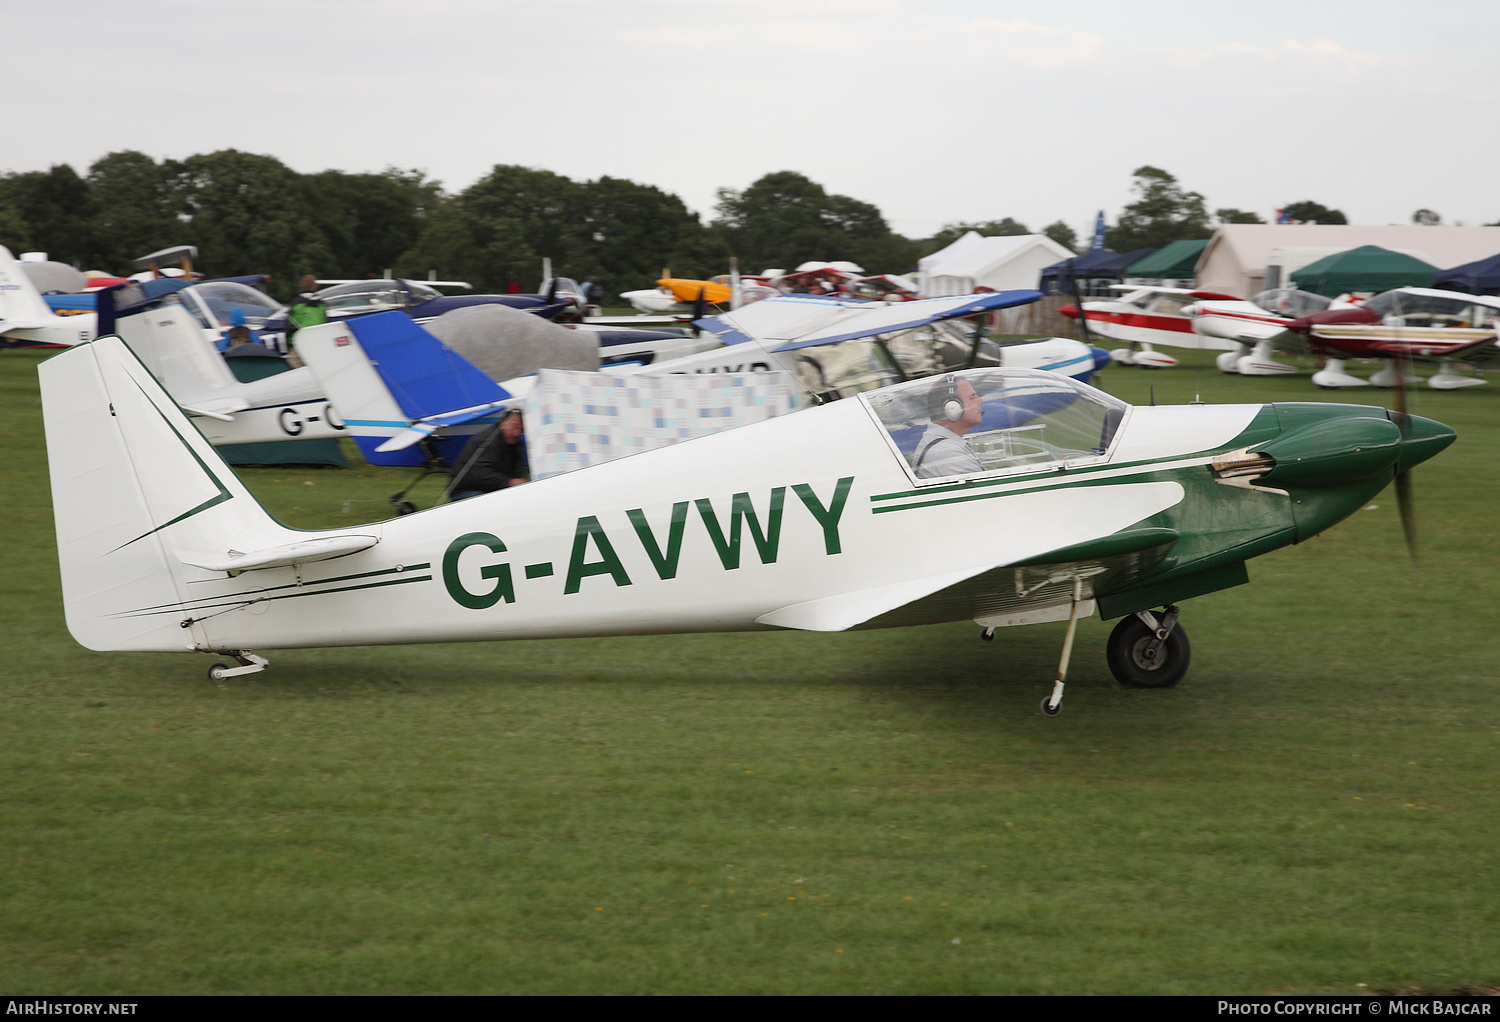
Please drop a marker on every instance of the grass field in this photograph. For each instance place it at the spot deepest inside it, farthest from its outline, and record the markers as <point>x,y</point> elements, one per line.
<point>1312,810</point>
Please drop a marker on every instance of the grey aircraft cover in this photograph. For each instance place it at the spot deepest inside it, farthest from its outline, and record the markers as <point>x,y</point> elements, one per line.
<point>505,343</point>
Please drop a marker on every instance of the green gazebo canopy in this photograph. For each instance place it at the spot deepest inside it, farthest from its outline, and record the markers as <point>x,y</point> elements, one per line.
<point>1177,261</point>
<point>1367,268</point>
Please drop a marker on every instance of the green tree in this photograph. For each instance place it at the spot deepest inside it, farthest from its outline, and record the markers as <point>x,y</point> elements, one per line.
<point>625,233</point>
<point>1062,234</point>
<point>1426,218</point>
<point>368,221</point>
<point>1162,213</point>
<point>133,197</point>
<point>1312,212</point>
<point>57,211</point>
<point>785,219</point>
<point>248,214</point>
<point>460,244</point>
<point>537,206</point>
<point>15,232</point>
<point>1230,215</point>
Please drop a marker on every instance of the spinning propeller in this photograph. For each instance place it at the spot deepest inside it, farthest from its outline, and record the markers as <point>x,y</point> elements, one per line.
<point>1404,499</point>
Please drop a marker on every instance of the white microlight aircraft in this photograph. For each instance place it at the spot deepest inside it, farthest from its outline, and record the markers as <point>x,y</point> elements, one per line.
<point>172,343</point>
<point>398,386</point>
<point>840,347</point>
<point>1001,496</point>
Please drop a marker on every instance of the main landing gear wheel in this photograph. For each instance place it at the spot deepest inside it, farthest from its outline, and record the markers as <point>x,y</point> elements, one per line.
<point>218,672</point>
<point>1048,708</point>
<point>1139,660</point>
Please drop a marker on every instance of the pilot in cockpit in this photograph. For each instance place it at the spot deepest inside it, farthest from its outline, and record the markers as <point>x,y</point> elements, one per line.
<point>955,409</point>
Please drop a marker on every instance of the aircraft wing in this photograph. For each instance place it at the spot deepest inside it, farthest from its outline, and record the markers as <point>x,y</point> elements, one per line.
<point>633,320</point>
<point>1107,564</point>
<point>790,322</point>
<point>1249,331</point>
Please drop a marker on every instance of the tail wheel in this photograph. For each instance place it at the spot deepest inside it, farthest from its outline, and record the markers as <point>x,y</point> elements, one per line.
<point>1135,663</point>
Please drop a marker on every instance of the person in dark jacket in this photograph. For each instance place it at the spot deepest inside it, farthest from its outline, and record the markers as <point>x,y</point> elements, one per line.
<point>494,459</point>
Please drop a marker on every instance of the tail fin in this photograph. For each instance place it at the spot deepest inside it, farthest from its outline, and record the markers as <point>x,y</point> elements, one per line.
<point>139,496</point>
<point>25,317</point>
<point>384,373</point>
<point>170,343</point>
<point>19,298</point>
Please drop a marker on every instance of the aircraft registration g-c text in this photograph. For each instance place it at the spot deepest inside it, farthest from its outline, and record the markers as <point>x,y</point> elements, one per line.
<point>594,550</point>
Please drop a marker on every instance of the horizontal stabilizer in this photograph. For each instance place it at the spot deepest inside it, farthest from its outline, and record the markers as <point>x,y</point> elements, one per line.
<point>222,408</point>
<point>302,552</point>
<point>424,429</point>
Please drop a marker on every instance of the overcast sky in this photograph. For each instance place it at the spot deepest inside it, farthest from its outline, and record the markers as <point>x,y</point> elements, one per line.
<point>934,111</point>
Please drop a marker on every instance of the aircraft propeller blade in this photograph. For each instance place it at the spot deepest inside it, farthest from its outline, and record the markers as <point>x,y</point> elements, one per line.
<point>698,311</point>
<point>1404,500</point>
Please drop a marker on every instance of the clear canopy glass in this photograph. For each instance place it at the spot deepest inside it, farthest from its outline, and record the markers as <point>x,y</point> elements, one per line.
<point>991,421</point>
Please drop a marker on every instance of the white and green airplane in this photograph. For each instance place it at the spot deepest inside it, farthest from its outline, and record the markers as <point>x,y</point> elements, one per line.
<point>1001,496</point>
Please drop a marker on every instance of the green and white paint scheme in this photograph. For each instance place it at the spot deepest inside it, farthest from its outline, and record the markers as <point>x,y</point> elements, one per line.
<point>813,521</point>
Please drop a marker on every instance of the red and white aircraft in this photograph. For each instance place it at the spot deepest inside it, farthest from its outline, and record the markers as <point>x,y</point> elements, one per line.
<point>1143,316</point>
<point>1449,327</point>
<point>1421,323</point>
<point>1253,324</point>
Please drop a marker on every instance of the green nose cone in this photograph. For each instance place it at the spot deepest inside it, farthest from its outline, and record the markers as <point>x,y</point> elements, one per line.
<point>1421,439</point>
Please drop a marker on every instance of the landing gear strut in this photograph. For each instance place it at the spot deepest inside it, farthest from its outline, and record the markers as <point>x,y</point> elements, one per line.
<point>246,663</point>
<point>1052,705</point>
<point>1149,651</point>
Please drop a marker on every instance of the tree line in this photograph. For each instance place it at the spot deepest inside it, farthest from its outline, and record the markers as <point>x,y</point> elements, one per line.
<point>251,213</point>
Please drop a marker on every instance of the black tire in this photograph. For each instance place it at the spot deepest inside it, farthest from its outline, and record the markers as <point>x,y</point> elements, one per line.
<point>1128,642</point>
<point>1048,708</point>
<point>216,672</point>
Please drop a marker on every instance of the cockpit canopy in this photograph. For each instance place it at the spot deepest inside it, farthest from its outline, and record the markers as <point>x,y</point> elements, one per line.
<point>364,296</point>
<point>1025,420</point>
<point>1418,308</point>
<point>1290,302</point>
<point>213,304</point>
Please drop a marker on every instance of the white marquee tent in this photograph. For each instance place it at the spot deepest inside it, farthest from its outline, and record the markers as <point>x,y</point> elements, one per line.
<point>973,261</point>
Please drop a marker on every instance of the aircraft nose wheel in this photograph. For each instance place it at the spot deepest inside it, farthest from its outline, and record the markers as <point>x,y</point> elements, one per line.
<point>1140,658</point>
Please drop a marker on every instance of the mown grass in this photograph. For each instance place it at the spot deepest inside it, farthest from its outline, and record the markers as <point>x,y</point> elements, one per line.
<point>1314,808</point>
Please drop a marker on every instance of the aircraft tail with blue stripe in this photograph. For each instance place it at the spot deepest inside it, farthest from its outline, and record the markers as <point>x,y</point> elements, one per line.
<point>395,384</point>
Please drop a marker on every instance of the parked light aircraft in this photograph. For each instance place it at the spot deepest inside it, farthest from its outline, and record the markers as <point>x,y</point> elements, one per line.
<point>839,347</point>
<point>824,520</point>
<point>1143,316</point>
<point>1252,324</point>
<point>422,302</point>
<point>170,340</point>
<point>287,406</point>
<point>1418,323</point>
<point>29,318</point>
<point>399,386</point>
<point>1422,324</point>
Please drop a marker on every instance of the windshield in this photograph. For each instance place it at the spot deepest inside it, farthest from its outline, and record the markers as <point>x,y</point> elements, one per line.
<point>842,370</point>
<point>363,296</point>
<point>422,292</point>
<point>942,347</point>
<point>223,297</point>
<point>1291,303</point>
<point>985,421</point>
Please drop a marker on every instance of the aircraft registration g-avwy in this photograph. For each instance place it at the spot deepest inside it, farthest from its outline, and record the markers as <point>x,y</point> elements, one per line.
<point>1001,496</point>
